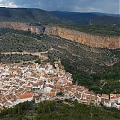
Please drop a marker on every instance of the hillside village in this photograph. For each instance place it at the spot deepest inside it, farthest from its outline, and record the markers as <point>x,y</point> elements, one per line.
<point>21,82</point>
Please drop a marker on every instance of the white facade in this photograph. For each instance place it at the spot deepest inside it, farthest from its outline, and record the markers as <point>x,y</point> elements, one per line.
<point>47,89</point>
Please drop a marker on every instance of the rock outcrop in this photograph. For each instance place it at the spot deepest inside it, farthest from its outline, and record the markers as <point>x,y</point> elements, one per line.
<point>84,38</point>
<point>23,26</point>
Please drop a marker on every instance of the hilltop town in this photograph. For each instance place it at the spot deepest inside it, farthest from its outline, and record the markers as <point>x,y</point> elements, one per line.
<point>21,82</point>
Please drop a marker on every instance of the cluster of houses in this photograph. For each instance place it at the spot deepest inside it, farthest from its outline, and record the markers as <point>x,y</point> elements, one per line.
<point>21,82</point>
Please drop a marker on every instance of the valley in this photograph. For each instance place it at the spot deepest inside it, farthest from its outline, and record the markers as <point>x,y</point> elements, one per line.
<point>87,64</point>
<point>58,64</point>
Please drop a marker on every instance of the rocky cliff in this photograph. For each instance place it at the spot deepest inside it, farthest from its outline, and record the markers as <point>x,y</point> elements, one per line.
<point>84,38</point>
<point>23,26</point>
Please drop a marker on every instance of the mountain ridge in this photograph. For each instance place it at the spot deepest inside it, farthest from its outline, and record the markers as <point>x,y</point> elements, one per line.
<point>35,15</point>
<point>87,17</point>
<point>31,15</point>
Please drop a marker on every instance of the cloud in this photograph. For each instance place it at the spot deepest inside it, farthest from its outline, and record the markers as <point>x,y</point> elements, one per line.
<point>107,6</point>
<point>7,3</point>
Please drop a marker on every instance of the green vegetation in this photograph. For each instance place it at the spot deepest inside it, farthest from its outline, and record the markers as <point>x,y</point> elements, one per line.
<point>94,29</point>
<point>82,57</point>
<point>107,82</point>
<point>58,110</point>
<point>106,20</point>
<point>19,43</point>
<point>16,58</point>
<point>38,61</point>
<point>89,18</point>
<point>94,68</point>
<point>98,69</point>
<point>28,15</point>
<point>59,94</point>
<point>88,65</point>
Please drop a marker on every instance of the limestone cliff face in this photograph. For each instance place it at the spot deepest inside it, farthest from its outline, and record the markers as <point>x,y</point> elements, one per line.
<point>22,26</point>
<point>84,38</point>
<point>87,39</point>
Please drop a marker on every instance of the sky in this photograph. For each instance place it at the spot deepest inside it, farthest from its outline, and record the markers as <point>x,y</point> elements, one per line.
<point>104,6</point>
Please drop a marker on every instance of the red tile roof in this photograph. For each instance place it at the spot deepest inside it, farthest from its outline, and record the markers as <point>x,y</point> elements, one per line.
<point>114,96</point>
<point>27,95</point>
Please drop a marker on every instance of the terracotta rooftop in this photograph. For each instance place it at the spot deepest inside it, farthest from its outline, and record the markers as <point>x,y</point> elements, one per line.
<point>27,95</point>
<point>114,96</point>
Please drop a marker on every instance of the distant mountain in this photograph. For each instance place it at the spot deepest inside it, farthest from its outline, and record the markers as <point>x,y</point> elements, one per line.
<point>34,15</point>
<point>76,17</point>
<point>105,20</point>
<point>86,18</point>
<point>31,15</point>
<point>106,14</point>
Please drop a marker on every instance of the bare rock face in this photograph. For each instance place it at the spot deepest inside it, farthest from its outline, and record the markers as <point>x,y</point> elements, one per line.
<point>22,26</point>
<point>80,37</point>
<point>87,39</point>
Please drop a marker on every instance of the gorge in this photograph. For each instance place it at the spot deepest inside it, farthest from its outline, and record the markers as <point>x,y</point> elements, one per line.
<point>110,42</point>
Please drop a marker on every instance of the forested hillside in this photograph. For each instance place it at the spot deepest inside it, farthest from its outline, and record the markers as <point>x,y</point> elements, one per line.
<point>28,15</point>
<point>58,110</point>
<point>98,69</point>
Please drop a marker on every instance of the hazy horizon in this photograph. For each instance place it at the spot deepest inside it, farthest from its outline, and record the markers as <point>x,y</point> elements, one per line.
<point>102,6</point>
